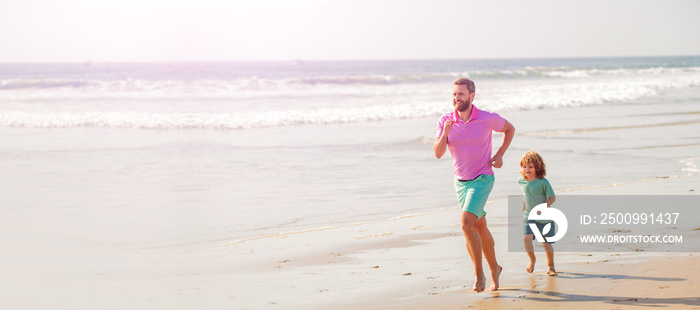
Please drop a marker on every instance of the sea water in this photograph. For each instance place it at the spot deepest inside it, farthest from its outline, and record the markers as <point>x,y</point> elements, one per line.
<point>146,156</point>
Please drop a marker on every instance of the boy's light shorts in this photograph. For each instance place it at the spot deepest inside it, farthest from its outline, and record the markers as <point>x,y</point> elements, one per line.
<point>472,194</point>
<point>528,231</point>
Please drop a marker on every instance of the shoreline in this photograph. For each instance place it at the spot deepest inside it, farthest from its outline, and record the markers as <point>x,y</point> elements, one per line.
<point>403,261</point>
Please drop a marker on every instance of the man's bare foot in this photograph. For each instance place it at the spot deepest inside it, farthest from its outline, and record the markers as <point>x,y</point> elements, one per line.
<point>479,283</point>
<point>530,266</point>
<point>551,271</point>
<point>494,278</point>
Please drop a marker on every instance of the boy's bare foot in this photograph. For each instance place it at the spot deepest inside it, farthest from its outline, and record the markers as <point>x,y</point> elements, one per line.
<point>479,283</point>
<point>495,277</point>
<point>530,266</point>
<point>551,271</point>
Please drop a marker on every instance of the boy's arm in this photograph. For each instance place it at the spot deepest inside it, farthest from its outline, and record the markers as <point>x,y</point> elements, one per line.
<point>523,206</point>
<point>551,200</point>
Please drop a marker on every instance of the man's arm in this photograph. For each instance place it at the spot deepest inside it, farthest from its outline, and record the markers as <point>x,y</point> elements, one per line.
<point>440,145</point>
<point>508,132</point>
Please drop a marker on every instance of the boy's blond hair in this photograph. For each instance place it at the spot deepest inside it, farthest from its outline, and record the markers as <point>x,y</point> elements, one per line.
<point>536,160</point>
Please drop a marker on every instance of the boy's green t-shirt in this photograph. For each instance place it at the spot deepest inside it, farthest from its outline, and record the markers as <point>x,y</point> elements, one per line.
<point>536,192</point>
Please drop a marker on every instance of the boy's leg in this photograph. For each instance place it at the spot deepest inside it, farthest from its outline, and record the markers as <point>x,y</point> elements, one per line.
<point>527,242</point>
<point>549,252</point>
<point>488,248</point>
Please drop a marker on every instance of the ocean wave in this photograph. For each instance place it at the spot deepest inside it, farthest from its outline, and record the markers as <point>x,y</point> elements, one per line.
<point>150,120</point>
<point>258,83</point>
<point>323,106</point>
<point>506,98</point>
<point>577,73</point>
<point>89,85</point>
<point>14,84</point>
<point>583,93</point>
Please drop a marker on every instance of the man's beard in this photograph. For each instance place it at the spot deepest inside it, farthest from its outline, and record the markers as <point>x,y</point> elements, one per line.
<point>462,106</point>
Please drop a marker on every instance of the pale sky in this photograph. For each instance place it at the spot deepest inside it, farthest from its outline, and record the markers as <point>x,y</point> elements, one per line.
<point>240,30</point>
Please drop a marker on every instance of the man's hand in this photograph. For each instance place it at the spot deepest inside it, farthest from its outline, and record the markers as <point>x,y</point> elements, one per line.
<point>448,126</point>
<point>497,161</point>
<point>508,132</point>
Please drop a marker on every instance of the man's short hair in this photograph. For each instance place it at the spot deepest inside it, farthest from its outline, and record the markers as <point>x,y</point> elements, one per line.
<point>465,81</point>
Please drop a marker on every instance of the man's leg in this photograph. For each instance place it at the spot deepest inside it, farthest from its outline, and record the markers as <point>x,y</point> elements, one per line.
<point>488,247</point>
<point>473,239</point>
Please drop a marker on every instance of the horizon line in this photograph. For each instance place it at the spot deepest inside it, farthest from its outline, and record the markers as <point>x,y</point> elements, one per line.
<point>301,60</point>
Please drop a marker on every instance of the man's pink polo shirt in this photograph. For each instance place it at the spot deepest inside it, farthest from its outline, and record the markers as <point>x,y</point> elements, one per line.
<point>470,142</point>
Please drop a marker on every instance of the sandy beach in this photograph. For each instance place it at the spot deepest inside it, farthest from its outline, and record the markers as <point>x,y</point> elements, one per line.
<point>406,262</point>
<point>265,155</point>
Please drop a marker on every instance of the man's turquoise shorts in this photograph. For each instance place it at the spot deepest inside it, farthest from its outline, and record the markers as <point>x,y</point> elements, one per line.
<point>472,194</point>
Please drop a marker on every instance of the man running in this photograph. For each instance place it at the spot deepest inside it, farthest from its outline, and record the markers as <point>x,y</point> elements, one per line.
<point>467,133</point>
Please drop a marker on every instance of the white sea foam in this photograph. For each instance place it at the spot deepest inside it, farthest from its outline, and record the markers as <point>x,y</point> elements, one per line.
<point>583,93</point>
<point>260,83</point>
<point>240,120</point>
<point>322,107</point>
<point>259,100</point>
